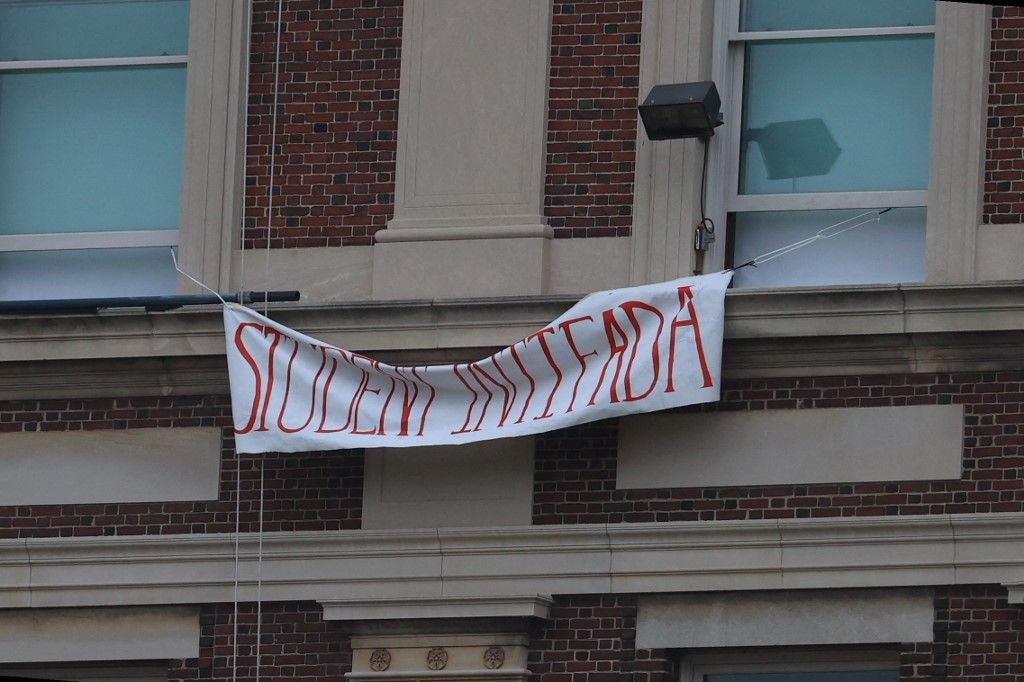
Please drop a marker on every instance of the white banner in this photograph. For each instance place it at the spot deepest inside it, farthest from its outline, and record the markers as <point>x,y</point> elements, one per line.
<point>616,352</point>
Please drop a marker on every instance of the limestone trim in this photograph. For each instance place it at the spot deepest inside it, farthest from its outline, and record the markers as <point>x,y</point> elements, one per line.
<point>675,47</point>
<point>1016,592</point>
<point>959,98</point>
<point>494,322</point>
<point>128,633</point>
<point>480,169</point>
<point>354,566</point>
<point>792,332</point>
<point>535,606</point>
<point>212,184</point>
<point>792,618</point>
<point>441,656</point>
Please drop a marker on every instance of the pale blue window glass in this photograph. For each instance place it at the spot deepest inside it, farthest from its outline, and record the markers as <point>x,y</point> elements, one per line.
<point>793,15</point>
<point>77,29</point>
<point>837,114</point>
<point>891,250</point>
<point>87,273</point>
<point>862,676</point>
<point>91,149</point>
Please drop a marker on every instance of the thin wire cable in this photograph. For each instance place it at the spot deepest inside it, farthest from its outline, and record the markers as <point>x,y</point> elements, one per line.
<point>238,457</point>
<point>822,234</point>
<point>259,580</point>
<point>273,144</point>
<point>238,516</point>
<point>174,259</point>
<point>245,145</point>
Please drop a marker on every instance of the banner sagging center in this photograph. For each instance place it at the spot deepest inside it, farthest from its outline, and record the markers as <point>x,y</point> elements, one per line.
<point>618,352</point>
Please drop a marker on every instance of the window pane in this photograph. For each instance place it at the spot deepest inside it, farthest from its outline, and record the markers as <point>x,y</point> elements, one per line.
<point>891,250</point>
<point>77,29</point>
<point>782,15</point>
<point>91,149</point>
<point>851,676</point>
<point>33,275</point>
<point>842,114</point>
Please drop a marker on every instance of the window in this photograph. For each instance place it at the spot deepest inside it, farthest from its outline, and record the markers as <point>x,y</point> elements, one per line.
<point>829,107</point>
<point>92,130</point>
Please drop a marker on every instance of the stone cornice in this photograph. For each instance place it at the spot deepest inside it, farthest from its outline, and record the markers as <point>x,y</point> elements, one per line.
<point>356,567</point>
<point>833,330</point>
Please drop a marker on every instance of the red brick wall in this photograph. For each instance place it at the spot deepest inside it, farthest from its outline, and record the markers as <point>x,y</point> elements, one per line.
<point>296,644</point>
<point>592,638</point>
<point>978,636</point>
<point>303,491</point>
<point>1004,158</point>
<point>592,98</point>
<point>337,121</point>
<point>574,479</point>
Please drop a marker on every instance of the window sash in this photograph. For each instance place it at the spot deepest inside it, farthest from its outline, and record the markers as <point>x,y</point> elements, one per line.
<point>732,96</point>
<point>91,63</point>
<point>61,241</point>
<point>812,201</point>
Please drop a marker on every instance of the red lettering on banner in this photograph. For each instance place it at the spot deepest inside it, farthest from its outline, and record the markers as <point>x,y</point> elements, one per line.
<point>287,392</point>
<point>566,328</point>
<point>506,404</point>
<point>512,384</point>
<point>364,378</point>
<point>611,327</point>
<point>407,404</point>
<point>490,395</point>
<point>554,367</point>
<point>387,401</point>
<point>469,410</point>
<point>533,384</point>
<point>249,360</point>
<point>630,307</point>
<point>686,299</point>
<point>430,401</point>
<point>270,375</point>
<point>363,390</point>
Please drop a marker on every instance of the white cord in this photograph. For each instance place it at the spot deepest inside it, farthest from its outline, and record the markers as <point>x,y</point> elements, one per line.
<point>174,259</point>
<point>238,516</point>
<point>259,579</point>
<point>821,235</point>
<point>273,146</point>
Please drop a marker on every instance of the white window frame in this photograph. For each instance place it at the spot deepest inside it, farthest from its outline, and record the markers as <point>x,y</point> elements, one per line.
<point>696,667</point>
<point>93,239</point>
<point>728,71</point>
<point>213,148</point>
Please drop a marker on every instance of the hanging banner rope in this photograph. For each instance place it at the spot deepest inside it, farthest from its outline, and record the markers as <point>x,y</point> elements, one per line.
<point>615,352</point>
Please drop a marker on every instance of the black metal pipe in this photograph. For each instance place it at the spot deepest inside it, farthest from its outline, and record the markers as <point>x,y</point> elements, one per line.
<point>151,304</point>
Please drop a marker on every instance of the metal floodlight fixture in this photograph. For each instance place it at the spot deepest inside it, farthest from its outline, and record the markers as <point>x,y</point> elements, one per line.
<point>681,110</point>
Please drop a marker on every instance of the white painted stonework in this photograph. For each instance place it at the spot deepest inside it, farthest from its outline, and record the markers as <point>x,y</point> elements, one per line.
<point>133,465</point>
<point>453,564</point>
<point>476,656</point>
<point>98,634</point>
<point>765,447</point>
<point>785,618</point>
<point>489,483</point>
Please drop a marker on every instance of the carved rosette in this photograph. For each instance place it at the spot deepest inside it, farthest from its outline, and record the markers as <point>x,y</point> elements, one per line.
<point>437,658</point>
<point>494,657</point>
<point>380,660</point>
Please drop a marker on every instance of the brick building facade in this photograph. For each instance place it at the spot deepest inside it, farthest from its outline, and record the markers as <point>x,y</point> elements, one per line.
<point>441,178</point>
